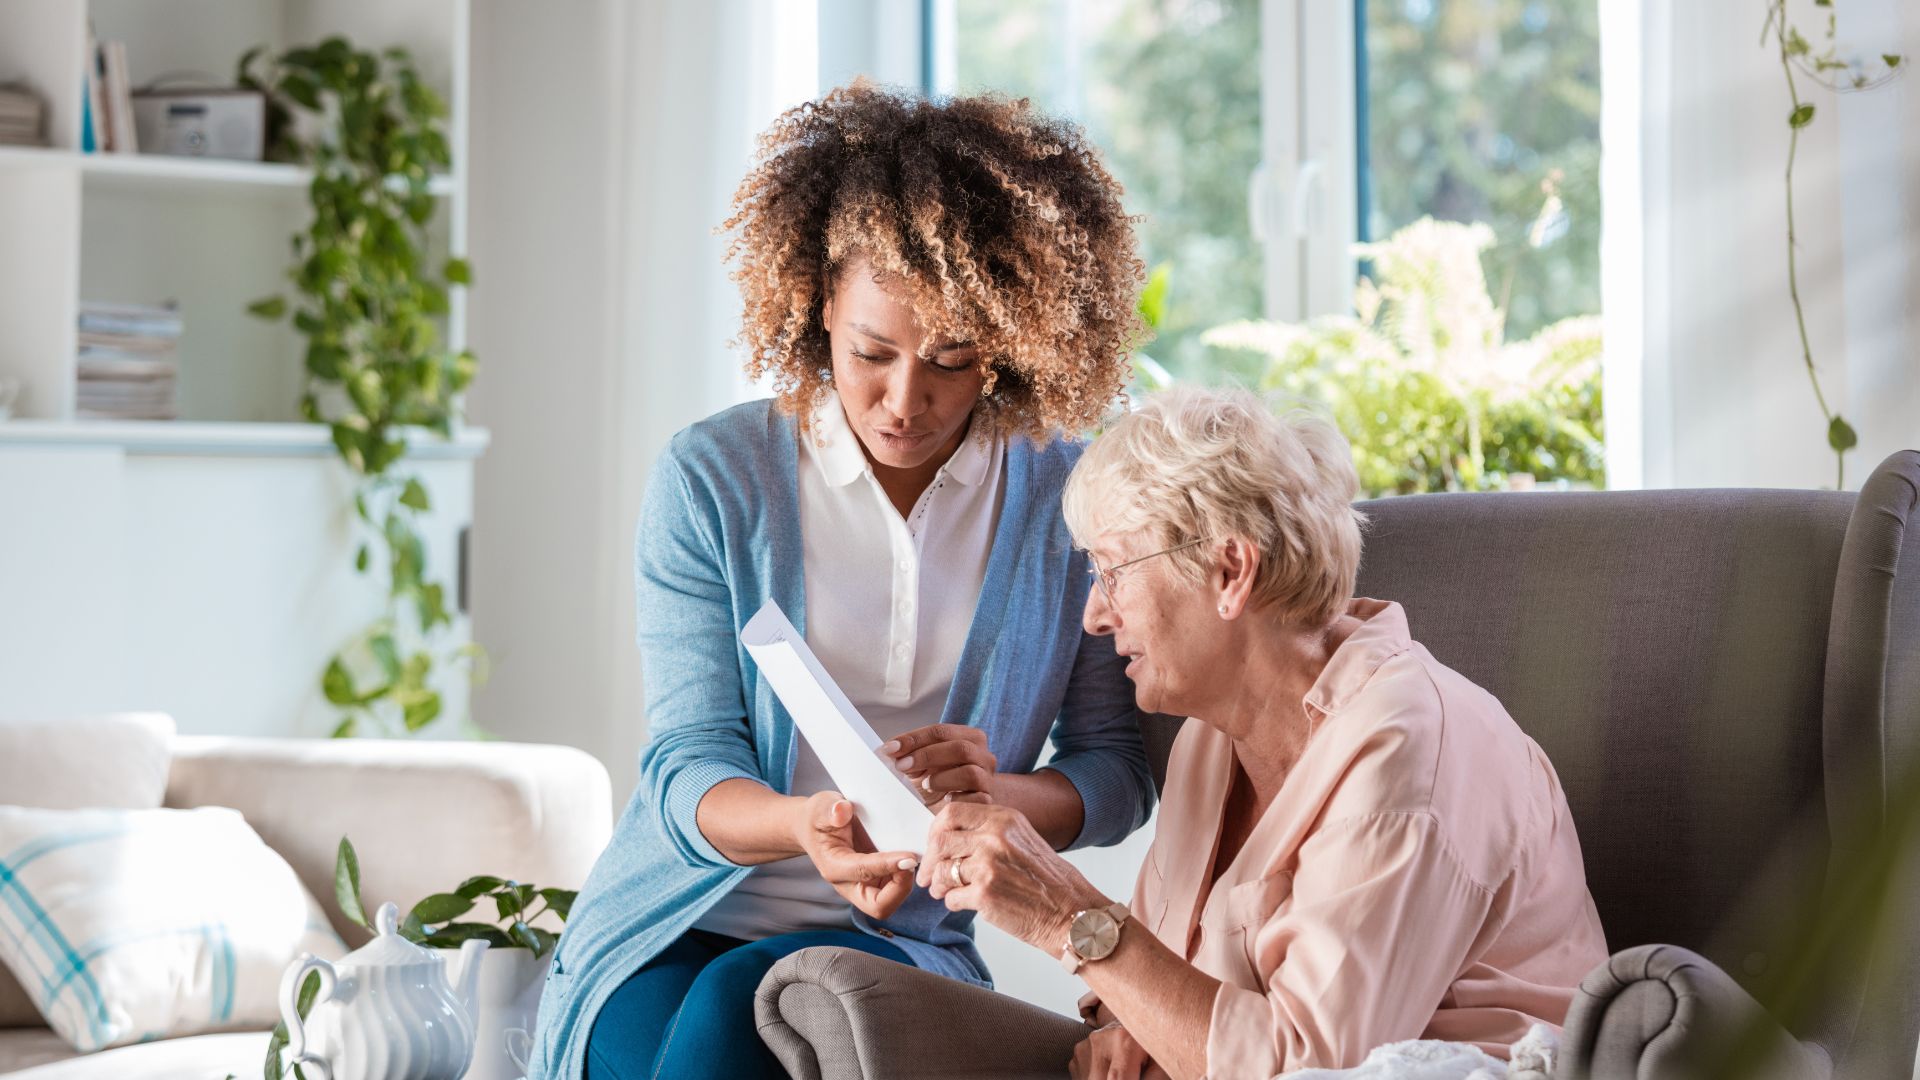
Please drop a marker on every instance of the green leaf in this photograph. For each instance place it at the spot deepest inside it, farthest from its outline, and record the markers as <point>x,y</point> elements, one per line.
<point>274,1046</point>
<point>1153,298</point>
<point>273,307</point>
<point>442,907</point>
<point>346,884</point>
<point>301,90</point>
<point>337,685</point>
<point>360,559</point>
<point>559,900</point>
<point>1801,117</point>
<point>459,272</point>
<point>309,990</point>
<point>386,651</point>
<point>413,929</point>
<point>346,728</point>
<point>544,940</point>
<point>453,935</point>
<point>478,885</point>
<point>433,606</point>
<point>508,902</point>
<point>421,711</point>
<point>1841,436</point>
<point>523,934</point>
<point>1892,60</point>
<point>415,496</point>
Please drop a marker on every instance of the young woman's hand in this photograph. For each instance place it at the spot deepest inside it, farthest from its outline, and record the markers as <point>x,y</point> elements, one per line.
<point>945,761</point>
<point>875,882</point>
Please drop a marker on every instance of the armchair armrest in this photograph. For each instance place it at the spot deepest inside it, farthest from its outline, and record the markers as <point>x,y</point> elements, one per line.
<point>1661,1011</point>
<point>423,816</point>
<point>841,1014</point>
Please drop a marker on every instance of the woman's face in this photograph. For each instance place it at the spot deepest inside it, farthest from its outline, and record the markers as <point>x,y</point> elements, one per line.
<point>909,413</point>
<point>1161,621</point>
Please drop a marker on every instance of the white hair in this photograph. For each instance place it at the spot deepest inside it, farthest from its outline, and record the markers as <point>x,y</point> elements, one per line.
<point>1194,464</point>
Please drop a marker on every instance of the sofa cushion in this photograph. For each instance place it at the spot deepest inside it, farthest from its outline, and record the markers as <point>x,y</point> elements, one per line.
<point>117,760</point>
<point>42,1055</point>
<point>132,925</point>
<point>113,760</point>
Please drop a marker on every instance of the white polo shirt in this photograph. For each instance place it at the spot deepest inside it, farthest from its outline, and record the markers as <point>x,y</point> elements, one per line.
<point>889,601</point>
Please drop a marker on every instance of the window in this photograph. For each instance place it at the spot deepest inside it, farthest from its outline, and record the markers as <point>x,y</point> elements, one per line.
<point>1170,91</point>
<point>1258,140</point>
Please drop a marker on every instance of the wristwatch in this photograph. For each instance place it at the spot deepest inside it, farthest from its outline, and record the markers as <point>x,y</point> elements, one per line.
<point>1093,935</point>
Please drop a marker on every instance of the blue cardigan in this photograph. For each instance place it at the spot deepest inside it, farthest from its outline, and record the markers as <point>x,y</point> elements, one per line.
<point>719,535</point>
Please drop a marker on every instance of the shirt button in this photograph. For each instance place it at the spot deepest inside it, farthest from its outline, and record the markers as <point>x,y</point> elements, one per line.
<point>900,651</point>
<point>883,931</point>
<point>906,564</point>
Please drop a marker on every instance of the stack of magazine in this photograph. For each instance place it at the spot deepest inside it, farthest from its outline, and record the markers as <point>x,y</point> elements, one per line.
<point>128,361</point>
<point>20,112</point>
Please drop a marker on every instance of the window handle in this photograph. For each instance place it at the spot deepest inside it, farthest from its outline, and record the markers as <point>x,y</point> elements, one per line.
<point>1306,191</point>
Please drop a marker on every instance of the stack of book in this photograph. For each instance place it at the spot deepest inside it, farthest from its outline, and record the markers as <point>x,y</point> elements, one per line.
<point>20,113</point>
<point>128,362</point>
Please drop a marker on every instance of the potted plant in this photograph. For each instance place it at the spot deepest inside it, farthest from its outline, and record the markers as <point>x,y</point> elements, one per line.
<point>512,970</point>
<point>370,303</point>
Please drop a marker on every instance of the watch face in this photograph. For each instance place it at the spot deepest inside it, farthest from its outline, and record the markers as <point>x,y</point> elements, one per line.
<point>1095,933</point>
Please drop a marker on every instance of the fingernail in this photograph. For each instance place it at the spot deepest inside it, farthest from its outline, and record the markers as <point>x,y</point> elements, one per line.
<point>907,762</point>
<point>891,746</point>
<point>908,864</point>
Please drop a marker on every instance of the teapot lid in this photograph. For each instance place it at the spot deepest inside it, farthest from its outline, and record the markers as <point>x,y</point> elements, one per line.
<point>388,948</point>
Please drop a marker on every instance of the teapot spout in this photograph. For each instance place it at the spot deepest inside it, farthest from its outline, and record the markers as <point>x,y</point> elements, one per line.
<point>469,977</point>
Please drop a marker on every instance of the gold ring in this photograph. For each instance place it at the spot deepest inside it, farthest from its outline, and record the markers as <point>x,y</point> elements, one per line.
<point>953,872</point>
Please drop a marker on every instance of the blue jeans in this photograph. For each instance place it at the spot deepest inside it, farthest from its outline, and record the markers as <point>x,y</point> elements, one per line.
<point>689,1011</point>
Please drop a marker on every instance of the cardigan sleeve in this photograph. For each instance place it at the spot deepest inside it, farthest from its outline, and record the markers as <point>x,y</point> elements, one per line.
<point>696,707</point>
<point>1098,748</point>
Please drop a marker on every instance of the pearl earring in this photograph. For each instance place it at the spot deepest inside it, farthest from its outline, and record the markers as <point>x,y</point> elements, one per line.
<point>1223,611</point>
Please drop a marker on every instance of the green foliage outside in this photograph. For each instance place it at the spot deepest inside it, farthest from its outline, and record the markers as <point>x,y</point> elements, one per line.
<point>1169,90</point>
<point>1483,111</point>
<point>370,308</point>
<point>1424,383</point>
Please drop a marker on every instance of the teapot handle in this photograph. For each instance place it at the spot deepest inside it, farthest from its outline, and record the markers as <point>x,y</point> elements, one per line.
<point>290,1012</point>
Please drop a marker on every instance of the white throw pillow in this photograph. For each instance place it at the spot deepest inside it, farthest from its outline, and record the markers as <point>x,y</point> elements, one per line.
<point>129,925</point>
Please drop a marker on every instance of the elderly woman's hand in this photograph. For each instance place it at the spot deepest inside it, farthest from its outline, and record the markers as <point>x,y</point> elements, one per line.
<point>1111,1054</point>
<point>944,760</point>
<point>986,858</point>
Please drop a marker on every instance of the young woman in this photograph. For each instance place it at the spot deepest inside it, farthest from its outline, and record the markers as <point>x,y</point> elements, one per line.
<point>938,290</point>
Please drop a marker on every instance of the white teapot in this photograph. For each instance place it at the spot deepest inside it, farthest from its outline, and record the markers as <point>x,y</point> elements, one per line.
<point>388,1011</point>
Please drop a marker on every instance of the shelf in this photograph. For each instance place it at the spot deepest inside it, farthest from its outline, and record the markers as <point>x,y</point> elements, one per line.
<point>216,439</point>
<point>162,171</point>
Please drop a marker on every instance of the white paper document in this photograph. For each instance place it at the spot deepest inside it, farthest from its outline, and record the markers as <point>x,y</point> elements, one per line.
<point>893,815</point>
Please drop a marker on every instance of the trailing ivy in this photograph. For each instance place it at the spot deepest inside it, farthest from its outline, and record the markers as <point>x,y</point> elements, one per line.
<point>1825,67</point>
<point>370,307</point>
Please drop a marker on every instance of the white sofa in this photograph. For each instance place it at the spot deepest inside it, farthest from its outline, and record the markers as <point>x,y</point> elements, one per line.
<point>423,817</point>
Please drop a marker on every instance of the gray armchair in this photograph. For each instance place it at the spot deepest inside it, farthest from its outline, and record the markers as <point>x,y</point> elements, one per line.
<point>1728,682</point>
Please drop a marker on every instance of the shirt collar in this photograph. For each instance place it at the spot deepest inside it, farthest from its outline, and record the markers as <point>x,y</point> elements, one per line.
<point>841,461</point>
<point>835,447</point>
<point>1382,635</point>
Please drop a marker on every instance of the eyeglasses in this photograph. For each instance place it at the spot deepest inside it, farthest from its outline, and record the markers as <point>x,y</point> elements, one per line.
<point>1105,577</point>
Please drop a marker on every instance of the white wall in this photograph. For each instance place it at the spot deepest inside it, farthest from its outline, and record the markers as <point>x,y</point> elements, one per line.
<point>1735,395</point>
<point>607,140</point>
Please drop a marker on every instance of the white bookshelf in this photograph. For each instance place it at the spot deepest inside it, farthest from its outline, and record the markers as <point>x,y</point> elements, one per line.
<point>210,235</point>
<point>204,566</point>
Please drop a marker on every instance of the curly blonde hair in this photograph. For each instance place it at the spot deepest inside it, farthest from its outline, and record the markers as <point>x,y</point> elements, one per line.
<point>998,225</point>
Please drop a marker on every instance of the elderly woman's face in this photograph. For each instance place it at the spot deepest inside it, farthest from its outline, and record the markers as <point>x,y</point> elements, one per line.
<point>1160,621</point>
<point>907,411</point>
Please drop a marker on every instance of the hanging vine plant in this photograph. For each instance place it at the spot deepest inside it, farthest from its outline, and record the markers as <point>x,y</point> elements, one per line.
<point>370,306</point>
<point>1824,67</point>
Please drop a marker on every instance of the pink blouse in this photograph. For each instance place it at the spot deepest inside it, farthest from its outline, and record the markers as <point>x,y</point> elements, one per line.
<point>1418,875</point>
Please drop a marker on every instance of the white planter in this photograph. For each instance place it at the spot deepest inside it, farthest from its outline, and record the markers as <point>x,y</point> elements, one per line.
<point>505,1004</point>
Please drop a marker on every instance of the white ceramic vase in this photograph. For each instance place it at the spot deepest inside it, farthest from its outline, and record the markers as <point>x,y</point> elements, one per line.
<point>506,1000</point>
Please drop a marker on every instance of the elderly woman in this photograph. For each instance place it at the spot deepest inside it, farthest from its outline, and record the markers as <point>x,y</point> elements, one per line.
<point>936,289</point>
<point>1356,845</point>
